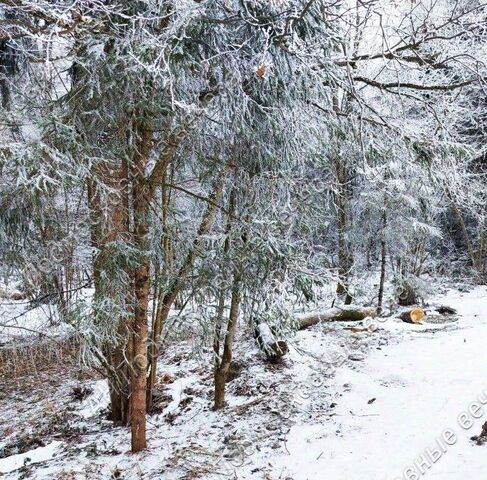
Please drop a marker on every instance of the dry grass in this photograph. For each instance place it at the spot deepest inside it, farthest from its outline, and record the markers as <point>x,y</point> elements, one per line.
<point>27,359</point>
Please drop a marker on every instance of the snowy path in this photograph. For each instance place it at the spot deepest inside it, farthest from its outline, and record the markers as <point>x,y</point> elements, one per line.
<point>421,386</point>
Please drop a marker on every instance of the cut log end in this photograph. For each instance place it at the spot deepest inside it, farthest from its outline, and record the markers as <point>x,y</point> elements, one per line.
<point>414,315</point>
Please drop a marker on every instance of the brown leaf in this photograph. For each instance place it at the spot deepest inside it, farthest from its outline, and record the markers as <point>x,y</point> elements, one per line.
<point>261,70</point>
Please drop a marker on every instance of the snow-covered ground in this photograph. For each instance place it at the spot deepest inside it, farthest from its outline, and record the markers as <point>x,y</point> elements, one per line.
<point>423,387</point>
<point>342,406</point>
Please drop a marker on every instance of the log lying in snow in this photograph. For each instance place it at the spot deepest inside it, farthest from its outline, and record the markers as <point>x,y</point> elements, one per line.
<point>268,343</point>
<point>337,314</point>
<point>359,329</point>
<point>414,315</point>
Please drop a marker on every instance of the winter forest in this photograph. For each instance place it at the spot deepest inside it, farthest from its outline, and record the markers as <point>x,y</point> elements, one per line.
<point>243,239</point>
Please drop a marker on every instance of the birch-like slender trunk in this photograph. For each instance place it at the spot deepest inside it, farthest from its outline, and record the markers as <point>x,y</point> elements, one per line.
<point>180,280</point>
<point>221,371</point>
<point>222,294</point>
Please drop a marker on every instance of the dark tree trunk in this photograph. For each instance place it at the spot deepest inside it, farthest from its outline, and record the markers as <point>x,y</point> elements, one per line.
<point>119,387</point>
<point>141,200</point>
<point>342,199</point>
<point>222,364</point>
<point>383,259</point>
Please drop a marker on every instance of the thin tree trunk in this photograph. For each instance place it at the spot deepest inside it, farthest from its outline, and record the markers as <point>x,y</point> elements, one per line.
<point>180,279</point>
<point>218,325</point>
<point>221,298</point>
<point>466,236</point>
<point>383,260</point>
<point>166,199</point>
<point>221,371</point>
<point>222,365</point>
<point>370,247</point>
<point>344,255</point>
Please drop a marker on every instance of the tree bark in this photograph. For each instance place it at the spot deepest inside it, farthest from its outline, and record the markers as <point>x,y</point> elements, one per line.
<point>336,314</point>
<point>221,296</point>
<point>221,372</point>
<point>342,199</point>
<point>140,201</point>
<point>383,259</point>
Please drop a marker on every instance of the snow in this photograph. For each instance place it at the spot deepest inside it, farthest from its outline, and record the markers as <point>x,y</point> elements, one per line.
<point>97,401</point>
<point>421,386</point>
<point>342,406</point>
<point>37,455</point>
<point>20,319</point>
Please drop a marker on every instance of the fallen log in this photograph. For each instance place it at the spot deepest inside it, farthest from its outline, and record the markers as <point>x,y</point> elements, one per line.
<point>359,329</point>
<point>268,343</point>
<point>414,315</point>
<point>348,313</point>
